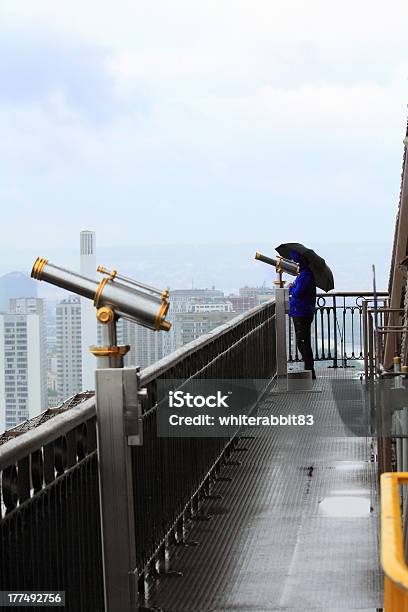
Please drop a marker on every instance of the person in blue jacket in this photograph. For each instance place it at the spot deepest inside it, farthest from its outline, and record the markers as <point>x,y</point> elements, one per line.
<point>302,299</point>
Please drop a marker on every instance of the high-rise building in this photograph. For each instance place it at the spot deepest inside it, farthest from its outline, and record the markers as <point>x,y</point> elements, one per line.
<point>146,345</point>
<point>242,303</point>
<point>69,348</point>
<point>259,292</point>
<point>249,297</point>
<point>15,285</point>
<point>23,373</point>
<point>88,314</point>
<point>181,301</point>
<point>191,325</point>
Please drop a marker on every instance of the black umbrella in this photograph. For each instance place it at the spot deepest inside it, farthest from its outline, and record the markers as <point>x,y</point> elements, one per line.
<point>321,271</point>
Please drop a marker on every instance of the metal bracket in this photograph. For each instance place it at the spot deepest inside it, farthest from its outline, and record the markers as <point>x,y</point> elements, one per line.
<point>132,408</point>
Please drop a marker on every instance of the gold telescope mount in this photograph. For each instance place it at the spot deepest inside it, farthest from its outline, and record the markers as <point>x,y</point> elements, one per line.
<point>115,296</point>
<point>110,354</point>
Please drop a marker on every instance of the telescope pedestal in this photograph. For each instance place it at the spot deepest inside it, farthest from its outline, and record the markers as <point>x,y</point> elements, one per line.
<point>109,355</point>
<point>118,413</point>
<point>281,309</point>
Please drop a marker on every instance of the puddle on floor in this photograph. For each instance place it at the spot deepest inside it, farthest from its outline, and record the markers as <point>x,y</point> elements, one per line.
<point>349,465</point>
<point>350,492</point>
<point>345,506</point>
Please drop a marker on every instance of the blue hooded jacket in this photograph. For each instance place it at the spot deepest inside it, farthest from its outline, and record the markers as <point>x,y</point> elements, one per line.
<point>302,295</point>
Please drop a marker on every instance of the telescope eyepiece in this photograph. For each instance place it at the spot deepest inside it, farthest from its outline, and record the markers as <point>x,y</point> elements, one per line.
<point>280,264</point>
<point>38,267</point>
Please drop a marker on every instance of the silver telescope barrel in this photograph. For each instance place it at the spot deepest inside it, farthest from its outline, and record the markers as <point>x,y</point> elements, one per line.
<point>129,302</point>
<point>130,281</point>
<point>281,264</point>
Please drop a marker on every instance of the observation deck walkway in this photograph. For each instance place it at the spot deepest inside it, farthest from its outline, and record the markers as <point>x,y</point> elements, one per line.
<point>297,528</point>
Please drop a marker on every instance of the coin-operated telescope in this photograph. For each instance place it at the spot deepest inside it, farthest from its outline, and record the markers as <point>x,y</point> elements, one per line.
<point>114,296</point>
<point>281,265</point>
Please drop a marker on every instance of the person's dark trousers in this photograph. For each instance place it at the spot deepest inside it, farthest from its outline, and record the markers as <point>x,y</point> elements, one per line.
<point>303,326</point>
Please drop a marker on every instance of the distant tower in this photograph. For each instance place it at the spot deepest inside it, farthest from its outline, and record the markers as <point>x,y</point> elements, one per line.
<point>69,362</point>
<point>88,314</point>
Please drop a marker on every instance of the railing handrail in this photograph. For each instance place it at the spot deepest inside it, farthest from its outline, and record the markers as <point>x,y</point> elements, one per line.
<point>157,368</point>
<point>392,549</point>
<point>15,449</point>
<point>352,294</point>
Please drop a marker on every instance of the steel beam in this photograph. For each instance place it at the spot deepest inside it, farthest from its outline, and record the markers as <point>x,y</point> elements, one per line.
<point>116,491</point>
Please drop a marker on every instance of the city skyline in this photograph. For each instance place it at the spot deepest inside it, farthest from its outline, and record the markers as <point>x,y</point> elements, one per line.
<point>44,343</point>
<point>228,268</point>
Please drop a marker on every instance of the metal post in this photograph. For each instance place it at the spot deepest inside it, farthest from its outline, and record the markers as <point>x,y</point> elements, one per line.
<point>377,346</point>
<point>365,338</point>
<point>344,347</point>
<point>281,297</point>
<point>117,415</point>
<point>335,331</point>
<point>116,397</point>
<point>370,346</point>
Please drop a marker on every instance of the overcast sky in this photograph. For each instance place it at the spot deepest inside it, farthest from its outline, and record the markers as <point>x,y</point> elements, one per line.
<point>201,122</point>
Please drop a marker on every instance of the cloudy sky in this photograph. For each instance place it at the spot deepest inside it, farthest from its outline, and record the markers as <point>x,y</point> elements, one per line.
<point>201,122</point>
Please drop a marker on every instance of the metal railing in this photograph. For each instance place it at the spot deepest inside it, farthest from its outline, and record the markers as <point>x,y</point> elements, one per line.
<point>50,520</point>
<point>50,526</point>
<point>339,328</point>
<point>393,558</point>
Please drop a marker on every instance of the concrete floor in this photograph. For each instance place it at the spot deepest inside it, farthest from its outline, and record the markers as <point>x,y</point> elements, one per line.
<point>297,528</point>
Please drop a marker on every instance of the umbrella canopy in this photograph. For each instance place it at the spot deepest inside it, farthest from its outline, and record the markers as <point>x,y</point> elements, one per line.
<point>322,274</point>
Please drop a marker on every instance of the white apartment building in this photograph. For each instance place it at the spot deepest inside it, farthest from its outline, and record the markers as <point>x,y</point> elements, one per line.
<point>191,325</point>
<point>23,382</point>
<point>69,347</point>
<point>218,306</point>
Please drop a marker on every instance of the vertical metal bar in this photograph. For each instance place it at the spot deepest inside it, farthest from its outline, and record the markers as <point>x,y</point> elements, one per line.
<point>360,329</point>
<point>370,346</point>
<point>116,496</point>
<point>378,359</point>
<point>353,355</point>
<point>329,355</point>
<point>321,309</point>
<point>344,349</point>
<point>335,331</point>
<point>365,338</point>
<point>281,358</point>
<point>290,357</point>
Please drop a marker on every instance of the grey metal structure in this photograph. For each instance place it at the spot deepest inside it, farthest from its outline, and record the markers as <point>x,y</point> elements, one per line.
<point>397,286</point>
<point>282,309</point>
<point>117,416</point>
<point>158,485</point>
